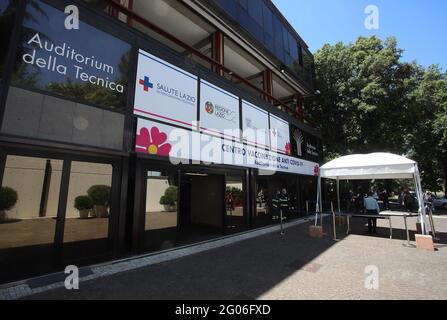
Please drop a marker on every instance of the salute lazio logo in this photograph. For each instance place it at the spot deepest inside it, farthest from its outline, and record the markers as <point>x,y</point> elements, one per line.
<point>146,83</point>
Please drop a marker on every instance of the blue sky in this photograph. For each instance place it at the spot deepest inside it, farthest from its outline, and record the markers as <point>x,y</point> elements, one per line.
<point>420,26</point>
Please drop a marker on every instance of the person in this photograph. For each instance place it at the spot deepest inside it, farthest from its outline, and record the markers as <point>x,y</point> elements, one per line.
<point>385,199</point>
<point>348,198</point>
<point>359,202</point>
<point>408,200</point>
<point>374,194</point>
<point>284,203</point>
<point>276,200</point>
<point>428,201</point>
<point>371,208</point>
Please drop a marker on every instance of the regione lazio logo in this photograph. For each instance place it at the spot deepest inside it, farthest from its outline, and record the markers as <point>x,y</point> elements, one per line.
<point>146,83</point>
<point>209,107</point>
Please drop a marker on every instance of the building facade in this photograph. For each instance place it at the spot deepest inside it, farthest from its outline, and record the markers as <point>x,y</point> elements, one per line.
<point>132,126</point>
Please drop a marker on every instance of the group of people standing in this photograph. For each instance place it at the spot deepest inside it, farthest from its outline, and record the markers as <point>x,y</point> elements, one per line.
<point>355,201</point>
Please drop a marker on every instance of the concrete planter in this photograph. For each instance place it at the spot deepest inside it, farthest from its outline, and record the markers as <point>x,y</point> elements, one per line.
<point>83,214</point>
<point>170,208</point>
<point>100,211</point>
<point>2,216</point>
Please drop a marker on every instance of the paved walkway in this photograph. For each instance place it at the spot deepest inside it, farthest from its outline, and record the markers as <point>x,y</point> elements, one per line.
<point>292,267</point>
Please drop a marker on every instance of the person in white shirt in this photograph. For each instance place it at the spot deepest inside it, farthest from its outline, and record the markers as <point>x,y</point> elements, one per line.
<point>371,207</point>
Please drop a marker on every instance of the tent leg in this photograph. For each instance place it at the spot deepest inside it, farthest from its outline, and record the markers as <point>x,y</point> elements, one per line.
<point>338,195</point>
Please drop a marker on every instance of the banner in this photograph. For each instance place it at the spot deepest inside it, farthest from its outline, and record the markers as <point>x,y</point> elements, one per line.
<point>191,147</point>
<point>219,111</point>
<point>255,125</point>
<point>165,92</point>
<point>279,135</point>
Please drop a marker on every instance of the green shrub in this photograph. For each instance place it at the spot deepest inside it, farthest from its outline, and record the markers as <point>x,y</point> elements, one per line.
<point>8,198</point>
<point>83,203</point>
<point>170,196</point>
<point>100,195</point>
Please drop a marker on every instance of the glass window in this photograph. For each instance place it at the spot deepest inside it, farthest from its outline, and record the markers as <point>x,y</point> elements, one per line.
<point>7,17</point>
<point>88,210</point>
<point>255,11</point>
<point>278,38</point>
<point>234,205</point>
<point>293,46</point>
<point>263,216</point>
<point>88,65</point>
<point>285,39</point>
<point>244,4</point>
<point>268,20</point>
<point>39,116</point>
<point>230,6</point>
<point>160,228</point>
<point>29,200</point>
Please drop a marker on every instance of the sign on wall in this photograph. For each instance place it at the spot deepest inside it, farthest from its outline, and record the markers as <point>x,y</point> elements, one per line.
<point>219,111</point>
<point>165,92</point>
<point>85,64</point>
<point>255,125</point>
<point>190,147</point>
<point>279,135</point>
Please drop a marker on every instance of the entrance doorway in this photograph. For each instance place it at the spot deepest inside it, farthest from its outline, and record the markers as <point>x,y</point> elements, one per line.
<point>202,201</point>
<point>188,206</point>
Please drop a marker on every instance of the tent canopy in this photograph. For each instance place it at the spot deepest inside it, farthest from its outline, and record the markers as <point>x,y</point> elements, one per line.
<point>369,166</point>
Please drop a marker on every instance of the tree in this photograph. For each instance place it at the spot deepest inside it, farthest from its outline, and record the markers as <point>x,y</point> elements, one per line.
<point>426,139</point>
<point>365,96</point>
<point>372,101</point>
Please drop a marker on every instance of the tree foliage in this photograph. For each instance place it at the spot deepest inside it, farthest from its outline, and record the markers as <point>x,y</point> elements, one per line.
<point>371,101</point>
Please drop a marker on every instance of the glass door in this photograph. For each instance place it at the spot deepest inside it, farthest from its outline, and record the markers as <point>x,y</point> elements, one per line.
<point>160,210</point>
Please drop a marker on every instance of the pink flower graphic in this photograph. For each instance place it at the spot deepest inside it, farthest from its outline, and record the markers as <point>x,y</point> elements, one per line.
<point>153,143</point>
<point>288,148</point>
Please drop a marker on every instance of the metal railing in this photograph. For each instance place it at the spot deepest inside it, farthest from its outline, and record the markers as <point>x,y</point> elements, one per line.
<point>216,65</point>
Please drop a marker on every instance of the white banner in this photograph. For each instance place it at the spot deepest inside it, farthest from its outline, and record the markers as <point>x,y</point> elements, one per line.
<point>165,92</point>
<point>255,125</point>
<point>219,111</point>
<point>190,147</point>
<point>279,135</point>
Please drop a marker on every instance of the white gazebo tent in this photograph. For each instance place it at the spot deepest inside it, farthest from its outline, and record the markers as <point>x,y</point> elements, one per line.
<point>372,166</point>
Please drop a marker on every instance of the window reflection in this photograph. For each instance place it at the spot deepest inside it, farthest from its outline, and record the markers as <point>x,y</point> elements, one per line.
<point>263,215</point>
<point>88,209</point>
<point>29,201</point>
<point>234,204</point>
<point>86,64</point>
<point>7,17</point>
<point>161,211</point>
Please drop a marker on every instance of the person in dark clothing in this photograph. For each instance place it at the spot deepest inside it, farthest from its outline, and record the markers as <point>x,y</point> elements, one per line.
<point>408,201</point>
<point>385,199</point>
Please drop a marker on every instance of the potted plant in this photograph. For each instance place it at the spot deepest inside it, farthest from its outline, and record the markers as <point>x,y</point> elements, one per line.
<point>8,199</point>
<point>100,195</point>
<point>84,205</point>
<point>169,199</point>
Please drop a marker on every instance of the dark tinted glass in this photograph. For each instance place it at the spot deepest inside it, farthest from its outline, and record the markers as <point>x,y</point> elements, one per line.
<point>230,6</point>
<point>85,64</point>
<point>7,16</point>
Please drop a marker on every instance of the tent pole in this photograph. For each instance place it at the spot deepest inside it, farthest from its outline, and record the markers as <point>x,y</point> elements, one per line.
<point>418,186</point>
<point>338,194</point>
<point>321,203</point>
<point>317,205</point>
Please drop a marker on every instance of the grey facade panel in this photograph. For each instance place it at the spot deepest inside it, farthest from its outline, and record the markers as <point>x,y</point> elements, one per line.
<point>35,115</point>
